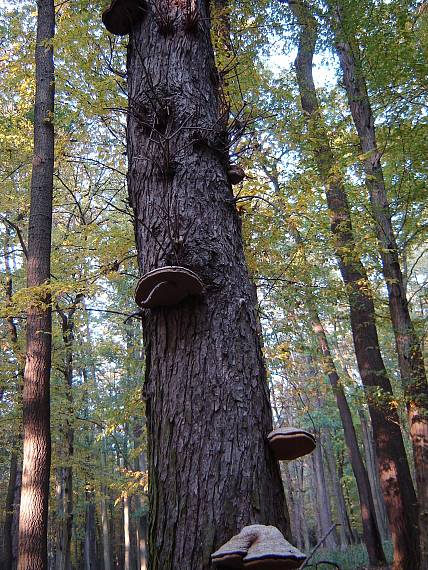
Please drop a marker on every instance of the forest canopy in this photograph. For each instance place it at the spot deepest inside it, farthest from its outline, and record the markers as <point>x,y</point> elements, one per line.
<point>302,125</point>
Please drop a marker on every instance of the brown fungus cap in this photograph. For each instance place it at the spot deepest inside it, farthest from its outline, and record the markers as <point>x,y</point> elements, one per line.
<point>236,174</point>
<point>121,15</point>
<point>166,286</point>
<point>258,547</point>
<point>290,443</point>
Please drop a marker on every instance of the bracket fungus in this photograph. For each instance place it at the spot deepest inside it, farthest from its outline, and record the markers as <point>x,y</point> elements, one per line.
<point>291,443</point>
<point>236,174</point>
<point>258,547</point>
<point>121,15</point>
<point>166,286</point>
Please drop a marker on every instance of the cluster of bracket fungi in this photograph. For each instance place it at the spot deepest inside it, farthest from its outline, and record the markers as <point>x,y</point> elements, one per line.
<point>257,546</point>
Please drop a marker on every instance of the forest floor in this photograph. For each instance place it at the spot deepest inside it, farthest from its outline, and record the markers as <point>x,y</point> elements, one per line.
<point>353,558</point>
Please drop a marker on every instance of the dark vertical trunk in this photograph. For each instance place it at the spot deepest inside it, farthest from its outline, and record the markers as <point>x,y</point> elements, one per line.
<point>371,533</point>
<point>323,500</point>
<point>396,481</point>
<point>15,521</point>
<point>410,358</point>
<point>7,553</point>
<point>65,473</point>
<point>90,547</point>
<point>36,406</point>
<point>208,409</point>
<point>371,462</point>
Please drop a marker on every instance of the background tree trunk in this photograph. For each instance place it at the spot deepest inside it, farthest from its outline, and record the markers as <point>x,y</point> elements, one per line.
<point>107,553</point>
<point>396,481</point>
<point>7,551</point>
<point>371,462</point>
<point>208,408</point>
<point>345,531</point>
<point>36,405</point>
<point>372,537</point>
<point>323,500</point>
<point>410,358</point>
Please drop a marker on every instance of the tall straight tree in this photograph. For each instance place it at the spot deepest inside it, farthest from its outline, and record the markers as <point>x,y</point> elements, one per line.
<point>36,402</point>
<point>208,413</point>
<point>410,358</point>
<point>394,473</point>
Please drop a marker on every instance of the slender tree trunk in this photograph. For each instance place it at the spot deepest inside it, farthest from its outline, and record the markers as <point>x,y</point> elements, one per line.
<point>410,358</point>
<point>106,531</point>
<point>90,548</point>
<point>208,406</point>
<point>371,533</point>
<point>323,500</point>
<point>371,462</point>
<point>65,473</point>
<point>7,554</point>
<point>126,534</point>
<point>299,467</point>
<point>345,531</point>
<point>396,481</point>
<point>36,404</point>
<point>372,537</point>
<point>141,465</point>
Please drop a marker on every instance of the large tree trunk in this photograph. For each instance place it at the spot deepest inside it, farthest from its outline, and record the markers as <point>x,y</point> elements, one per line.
<point>207,398</point>
<point>395,477</point>
<point>410,358</point>
<point>36,406</point>
<point>371,533</point>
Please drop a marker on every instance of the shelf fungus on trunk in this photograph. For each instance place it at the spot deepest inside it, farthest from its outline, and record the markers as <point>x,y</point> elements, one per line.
<point>166,286</point>
<point>236,174</point>
<point>122,15</point>
<point>290,443</point>
<point>258,547</point>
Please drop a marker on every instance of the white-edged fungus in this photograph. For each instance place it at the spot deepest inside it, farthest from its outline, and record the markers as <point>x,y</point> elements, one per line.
<point>290,443</point>
<point>166,286</point>
<point>121,15</point>
<point>258,547</point>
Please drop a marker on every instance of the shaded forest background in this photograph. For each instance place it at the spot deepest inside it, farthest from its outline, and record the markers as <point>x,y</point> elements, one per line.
<point>98,476</point>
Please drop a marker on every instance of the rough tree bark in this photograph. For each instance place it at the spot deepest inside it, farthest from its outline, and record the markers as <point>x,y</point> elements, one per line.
<point>396,481</point>
<point>36,406</point>
<point>208,412</point>
<point>410,358</point>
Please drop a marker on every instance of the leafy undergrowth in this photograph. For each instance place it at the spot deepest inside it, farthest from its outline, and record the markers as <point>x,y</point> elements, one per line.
<point>353,558</point>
